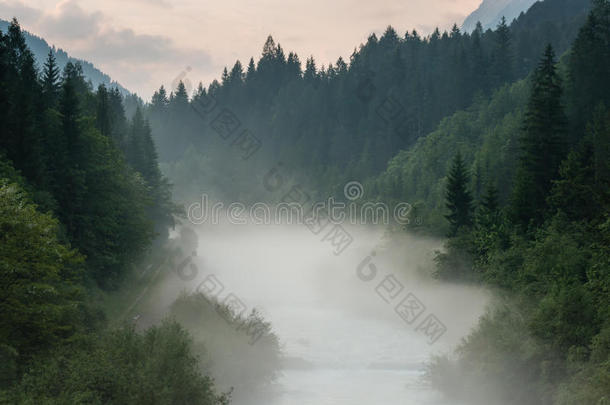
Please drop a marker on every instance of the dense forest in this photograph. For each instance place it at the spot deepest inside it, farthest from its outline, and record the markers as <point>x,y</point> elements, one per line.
<point>500,139</point>
<point>346,120</point>
<point>81,200</point>
<point>503,141</point>
<point>533,224</point>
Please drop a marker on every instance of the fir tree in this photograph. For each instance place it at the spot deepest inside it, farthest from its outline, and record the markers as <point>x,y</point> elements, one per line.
<point>458,199</point>
<point>502,57</point>
<point>251,70</point>
<point>102,118</point>
<point>310,73</point>
<point>159,100</point>
<point>542,143</point>
<point>589,65</point>
<point>51,85</point>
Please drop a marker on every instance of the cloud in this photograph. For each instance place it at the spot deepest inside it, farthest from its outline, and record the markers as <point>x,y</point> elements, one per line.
<point>69,20</point>
<point>91,35</point>
<point>22,12</point>
<point>142,43</point>
<point>159,3</point>
<point>124,54</point>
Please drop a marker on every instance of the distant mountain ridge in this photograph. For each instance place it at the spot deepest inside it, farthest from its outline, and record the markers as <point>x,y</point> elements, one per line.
<point>490,12</point>
<point>40,49</point>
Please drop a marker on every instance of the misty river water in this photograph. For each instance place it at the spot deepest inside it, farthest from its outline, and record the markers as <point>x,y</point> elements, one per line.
<point>337,316</point>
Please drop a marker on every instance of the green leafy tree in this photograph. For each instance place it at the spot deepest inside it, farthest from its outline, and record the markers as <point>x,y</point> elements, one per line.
<point>39,277</point>
<point>121,366</point>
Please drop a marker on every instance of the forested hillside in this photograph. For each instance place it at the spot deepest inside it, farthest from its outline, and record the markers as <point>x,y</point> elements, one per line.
<point>81,200</point>
<point>499,139</point>
<point>346,120</point>
<point>40,49</point>
<point>490,12</point>
<point>526,197</point>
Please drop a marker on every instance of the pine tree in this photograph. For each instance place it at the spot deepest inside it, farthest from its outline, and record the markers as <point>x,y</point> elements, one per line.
<point>51,85</point>
<point>502,67</point>
<point>118,122</point>
<point>141,152</point>
<point>478,59</point>
<point>71,182</point>
<point>489,208</point>
<point>179,100</point>
<point>224,79</point>
<point>458,199</point>
<point>4,90</point>
<point>489,203</point>
<point>589,65</point>
<point>251,70</point>
<point>294,65</point>
<point>269,49</point>
<point>23,136</point>
<point>389,38</point>
<point>542,143</point>
<point>237,73</point>
<point>310,73</point>
<point>102,117</point>
<point>159,100</point>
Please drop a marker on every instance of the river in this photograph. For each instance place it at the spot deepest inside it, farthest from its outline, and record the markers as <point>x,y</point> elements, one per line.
<point>338,316</point>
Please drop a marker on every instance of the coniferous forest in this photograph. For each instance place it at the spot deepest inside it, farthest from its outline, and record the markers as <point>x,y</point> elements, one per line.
<point>499,140</point>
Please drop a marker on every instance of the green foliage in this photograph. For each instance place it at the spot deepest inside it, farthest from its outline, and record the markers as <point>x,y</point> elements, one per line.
<point>39,278</point>
<point>458,199</point>
<point>69,147</point>
<point>120,367</point>
<point>64,148</point>
<point>344,121</point>
<point>543,144</point>
<point>246,352</point>
<point>486,135</point>
<point>589,66</point>
<point>552,254</point>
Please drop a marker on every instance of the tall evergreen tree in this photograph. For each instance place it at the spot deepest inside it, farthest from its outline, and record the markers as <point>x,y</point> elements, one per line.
<point>310,73</point>
<point>503,60</point>
<point>102,116</point>
<point>542,143</point>
<point>180,98</point>
<point>141,152</point>
<point>71,183</point>
<point>118,122</point>
<point>458,198</point>
<point>589,65</point>
<point>51,84</point>
<point>251,70</point>
<point>159,100</point>
<point>24,138</point>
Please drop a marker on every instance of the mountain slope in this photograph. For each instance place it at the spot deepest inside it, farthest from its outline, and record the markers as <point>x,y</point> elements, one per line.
<point>40,49</point>
<point>490,12</point>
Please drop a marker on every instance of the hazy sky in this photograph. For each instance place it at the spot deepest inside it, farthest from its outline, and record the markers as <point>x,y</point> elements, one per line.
<point>145,43</point>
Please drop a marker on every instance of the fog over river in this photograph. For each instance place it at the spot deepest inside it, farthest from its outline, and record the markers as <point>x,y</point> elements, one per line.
<point>355,328</point>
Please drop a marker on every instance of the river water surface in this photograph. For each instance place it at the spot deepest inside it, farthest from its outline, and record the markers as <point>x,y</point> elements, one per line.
<point>336,315</point>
